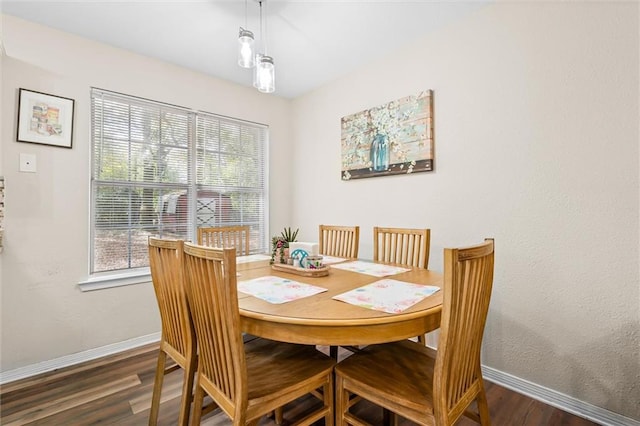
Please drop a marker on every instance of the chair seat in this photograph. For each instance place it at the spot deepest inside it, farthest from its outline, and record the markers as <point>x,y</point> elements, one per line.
<point>276,368</point>
<point>407,382</point>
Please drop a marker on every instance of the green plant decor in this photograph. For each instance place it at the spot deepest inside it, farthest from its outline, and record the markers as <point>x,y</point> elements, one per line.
<point>281,242</point>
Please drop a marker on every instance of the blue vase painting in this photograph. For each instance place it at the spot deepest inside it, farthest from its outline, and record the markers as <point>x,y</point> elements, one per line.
<point>389,139</point>
<point>379,153</point>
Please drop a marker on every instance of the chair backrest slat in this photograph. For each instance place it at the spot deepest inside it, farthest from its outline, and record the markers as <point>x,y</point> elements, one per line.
<point>339,241</point>
<point>226,237</point>
<point>402,246</point>
<point>468,279</point>
<point>212,290</point>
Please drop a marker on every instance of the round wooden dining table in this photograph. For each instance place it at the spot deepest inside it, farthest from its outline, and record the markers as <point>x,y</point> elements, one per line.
<point>322,320</point>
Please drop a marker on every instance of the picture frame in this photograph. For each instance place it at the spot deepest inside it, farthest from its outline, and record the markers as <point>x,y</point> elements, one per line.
<point>390,139</point>
<point>45,119</point>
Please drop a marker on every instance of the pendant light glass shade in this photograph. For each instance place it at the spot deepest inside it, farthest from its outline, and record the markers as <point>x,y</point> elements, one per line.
<point>246,53</point>
<point>266,75</point>
<point>255,70</point>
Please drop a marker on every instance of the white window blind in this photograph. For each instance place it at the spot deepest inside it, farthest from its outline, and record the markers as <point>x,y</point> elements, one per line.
<point>162,170</point>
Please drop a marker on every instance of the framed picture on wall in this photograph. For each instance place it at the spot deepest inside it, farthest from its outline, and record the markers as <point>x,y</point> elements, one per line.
<point>45,119</point>
<point>390,139</point>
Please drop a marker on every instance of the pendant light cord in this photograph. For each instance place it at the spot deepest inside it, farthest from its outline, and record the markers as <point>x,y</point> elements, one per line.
<point>265,35</point>
<point>263,39</point>
<point>245,13</point>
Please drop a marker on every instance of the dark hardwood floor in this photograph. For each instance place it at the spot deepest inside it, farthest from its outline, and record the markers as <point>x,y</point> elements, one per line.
<point>116,390</point>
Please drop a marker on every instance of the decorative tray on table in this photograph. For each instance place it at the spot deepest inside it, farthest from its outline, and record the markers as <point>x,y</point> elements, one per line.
<point>322,271</point>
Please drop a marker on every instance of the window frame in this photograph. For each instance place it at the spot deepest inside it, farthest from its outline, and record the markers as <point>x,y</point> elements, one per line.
<point>121,277</point>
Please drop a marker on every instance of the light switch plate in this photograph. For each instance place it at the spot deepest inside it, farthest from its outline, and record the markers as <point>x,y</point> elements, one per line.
<point>28,163</point>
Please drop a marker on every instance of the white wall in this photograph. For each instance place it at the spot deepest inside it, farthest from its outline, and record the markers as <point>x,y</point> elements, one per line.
<point>44,315</point>
<point>536,141</point>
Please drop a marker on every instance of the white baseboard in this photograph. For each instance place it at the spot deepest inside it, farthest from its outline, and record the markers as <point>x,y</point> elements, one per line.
<point>77,358</point>
<point>557,399</point>
<point>532,390</point>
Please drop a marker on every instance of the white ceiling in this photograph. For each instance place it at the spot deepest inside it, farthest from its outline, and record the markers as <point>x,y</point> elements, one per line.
<point>312,42</point>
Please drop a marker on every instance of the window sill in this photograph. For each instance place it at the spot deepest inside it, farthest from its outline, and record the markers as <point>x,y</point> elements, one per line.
<point>100,282</point>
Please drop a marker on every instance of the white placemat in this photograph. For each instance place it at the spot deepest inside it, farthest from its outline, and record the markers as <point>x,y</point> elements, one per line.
<point>252,258</point>
<point>330,260</point>
<point>370,268</point>
<point>277,290</point>
<point>387,295</point>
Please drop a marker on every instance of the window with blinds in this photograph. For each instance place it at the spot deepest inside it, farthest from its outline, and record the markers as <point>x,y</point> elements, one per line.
<point>161,170</point>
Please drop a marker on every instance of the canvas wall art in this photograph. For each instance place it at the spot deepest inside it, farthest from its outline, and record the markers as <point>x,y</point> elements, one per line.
<point>390,139</point>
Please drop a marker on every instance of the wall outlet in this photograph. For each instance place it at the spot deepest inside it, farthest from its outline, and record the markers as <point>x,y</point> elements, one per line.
<point>28,163</point>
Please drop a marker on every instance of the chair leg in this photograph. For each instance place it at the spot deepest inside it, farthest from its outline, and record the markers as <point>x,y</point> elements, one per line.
<point>198,400</point>
<point>389,418</point>
<point>278,415</point>
<point>422,339</point>
<point>157,388</point>
<point>187,391</point>
<point>333,352</point>
<point>483,407</point>
<point>342,402</point>
<point>386,418</point>
<point>327,391</point>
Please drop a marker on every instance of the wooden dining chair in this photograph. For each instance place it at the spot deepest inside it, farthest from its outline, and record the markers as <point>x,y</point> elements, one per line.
<point>178,339</point>
<point>226,236</point>
<point>252,380</point>
<point>402,246</point>
<point>238,237</point>
<point>339,241</point>
<point>407,378</point>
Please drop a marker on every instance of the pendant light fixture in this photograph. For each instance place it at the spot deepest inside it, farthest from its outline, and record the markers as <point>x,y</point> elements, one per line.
<point>264,77</point>
<point>246,49</point>
<point>265,68</point>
